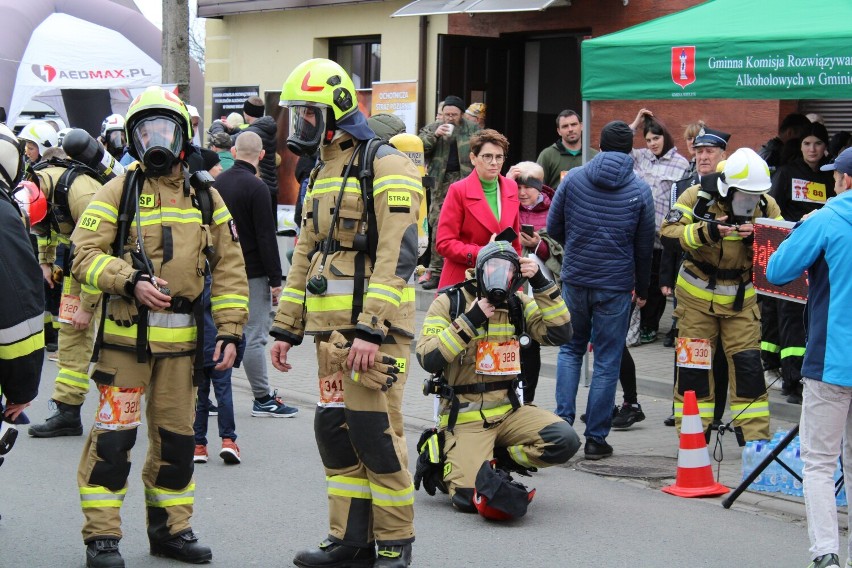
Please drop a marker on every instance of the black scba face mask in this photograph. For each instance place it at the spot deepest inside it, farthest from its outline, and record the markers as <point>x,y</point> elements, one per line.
<point>307,129</point>
<point>497,278</point>
<point>158,142</point>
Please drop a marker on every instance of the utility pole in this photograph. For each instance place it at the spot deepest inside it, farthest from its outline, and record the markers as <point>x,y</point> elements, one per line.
<point>176,45</point>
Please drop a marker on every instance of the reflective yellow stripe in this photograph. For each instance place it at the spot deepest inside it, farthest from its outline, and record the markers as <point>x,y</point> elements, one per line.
<point>518,454</point>
<point>73,378</point>
<point>23,347</point>
<point>530,309</point>
<point>385,293</point>
<point>708,295</point>
<point>62,239</point>
<point>450,342</point>
<point>705,409</point>
<point>103,210</point>
<point>385,183</point>
<point>475,415</point>
<point>434,449</point>
<point>292,295</point>
<point>328,303</point>
<point>792,352</point>
<point>158,334</point>
<point>687,212</point>
<point>691,237</point>
<point>554,312</point>
<point>156,497</point>
<point>384,497</point>
<point>95,269</point>
<point>177,215</point>
<point>408,294</point>
<point>332,185</point>
<point>437,321</point>
<point>101,497</point>
<point>343,486</point>
<point>228,301</point>
<point>89,289</point>
<point>771,347</point>
<point>745,411</point>
<point>220,216</point>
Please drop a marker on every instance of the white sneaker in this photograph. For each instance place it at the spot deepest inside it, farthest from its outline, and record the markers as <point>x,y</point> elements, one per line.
<point>772,377</point>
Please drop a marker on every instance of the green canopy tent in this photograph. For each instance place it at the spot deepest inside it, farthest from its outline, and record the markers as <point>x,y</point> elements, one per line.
<point>726,49</point>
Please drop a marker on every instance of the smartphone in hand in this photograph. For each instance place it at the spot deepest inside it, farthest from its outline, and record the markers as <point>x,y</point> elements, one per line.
<point>528,230</point>
<point>508,234</point>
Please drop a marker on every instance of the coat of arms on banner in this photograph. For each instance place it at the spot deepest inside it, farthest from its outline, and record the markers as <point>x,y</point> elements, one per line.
<point>683,65</point>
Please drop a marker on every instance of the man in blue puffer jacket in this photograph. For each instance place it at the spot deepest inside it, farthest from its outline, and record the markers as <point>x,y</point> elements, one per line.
<point>604,215</point>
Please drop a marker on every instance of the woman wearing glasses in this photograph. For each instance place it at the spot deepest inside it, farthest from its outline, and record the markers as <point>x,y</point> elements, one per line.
<point>478,209</point>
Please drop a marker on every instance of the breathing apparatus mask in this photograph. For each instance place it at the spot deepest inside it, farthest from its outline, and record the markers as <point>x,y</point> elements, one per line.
<point>310,126</point>
<point>158,140</point>
<point>498,272</point>
<point>739,186</point>
<point>114,142</point>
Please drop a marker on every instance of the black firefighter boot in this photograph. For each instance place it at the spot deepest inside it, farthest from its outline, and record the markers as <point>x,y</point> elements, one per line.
<point>183,547</point>
<point>103,553</point>
<point>393,556</point>
<point>335,555</point>
<point>64,422</point>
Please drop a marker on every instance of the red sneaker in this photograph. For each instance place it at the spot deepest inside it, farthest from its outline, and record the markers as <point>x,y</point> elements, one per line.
<point>200,454</point>
<point>230,451</point>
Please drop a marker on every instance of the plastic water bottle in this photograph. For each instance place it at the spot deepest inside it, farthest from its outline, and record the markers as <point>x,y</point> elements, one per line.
<point>786,482</point>
<point>758,455</point>
<point>748,459</point>
<point>772,473</point>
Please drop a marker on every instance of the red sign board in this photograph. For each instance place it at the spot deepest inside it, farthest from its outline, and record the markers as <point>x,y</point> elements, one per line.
<point>768,234</point>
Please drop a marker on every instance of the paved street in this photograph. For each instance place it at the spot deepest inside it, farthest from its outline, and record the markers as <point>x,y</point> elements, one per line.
<point>261,512</point>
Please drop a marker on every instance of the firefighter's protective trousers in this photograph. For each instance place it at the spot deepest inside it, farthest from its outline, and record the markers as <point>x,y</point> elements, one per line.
<point>362,446</point>
<point>166,383</point>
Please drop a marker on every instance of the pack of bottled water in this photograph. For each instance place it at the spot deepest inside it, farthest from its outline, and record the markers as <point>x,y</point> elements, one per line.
<point>775,478</point>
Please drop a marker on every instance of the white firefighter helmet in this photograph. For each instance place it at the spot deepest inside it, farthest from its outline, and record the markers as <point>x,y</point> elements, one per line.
<point>745,171</point>
<point>41,134</point>
<point>11,157</point>
<point>61,135</point>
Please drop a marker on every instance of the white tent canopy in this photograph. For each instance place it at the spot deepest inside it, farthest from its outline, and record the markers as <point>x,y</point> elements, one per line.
<point>52,61</point>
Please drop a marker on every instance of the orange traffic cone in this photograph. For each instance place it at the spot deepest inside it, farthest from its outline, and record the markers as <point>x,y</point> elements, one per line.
<point>694,474</point>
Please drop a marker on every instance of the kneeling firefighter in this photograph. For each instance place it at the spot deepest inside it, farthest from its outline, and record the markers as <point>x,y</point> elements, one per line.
<point>353,272</point>
<point>713,222</point>
<point>475,359</point>
<point>144,240</point>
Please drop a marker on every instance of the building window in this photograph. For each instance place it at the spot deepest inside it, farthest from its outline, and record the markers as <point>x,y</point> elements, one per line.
<point>361,57</point>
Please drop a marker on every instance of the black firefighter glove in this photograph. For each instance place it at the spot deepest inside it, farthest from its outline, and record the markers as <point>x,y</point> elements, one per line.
<point>122,311</point>
<point>430,463</point>
<point>507,464</point>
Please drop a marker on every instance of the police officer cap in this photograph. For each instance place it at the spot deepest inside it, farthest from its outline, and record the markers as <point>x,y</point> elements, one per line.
<point>709,137</point>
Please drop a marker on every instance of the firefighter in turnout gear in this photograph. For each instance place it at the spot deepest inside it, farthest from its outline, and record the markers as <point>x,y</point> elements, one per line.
<point>21,312</point>
<point>144,241</point>
<point>471,341</point>
<point>713,223</point>
<point>352,271</point>
<point>68,186</point>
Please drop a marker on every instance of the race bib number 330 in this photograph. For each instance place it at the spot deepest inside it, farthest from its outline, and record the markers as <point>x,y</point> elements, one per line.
<point>693,353</point>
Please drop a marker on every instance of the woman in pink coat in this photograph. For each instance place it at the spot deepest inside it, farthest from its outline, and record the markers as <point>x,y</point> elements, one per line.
<point>477,208</point>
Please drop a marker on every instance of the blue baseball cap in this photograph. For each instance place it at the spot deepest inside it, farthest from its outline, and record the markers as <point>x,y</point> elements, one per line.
<point>843,163</point>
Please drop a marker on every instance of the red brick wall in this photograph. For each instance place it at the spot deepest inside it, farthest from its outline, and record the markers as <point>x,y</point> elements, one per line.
<point>751,123</point>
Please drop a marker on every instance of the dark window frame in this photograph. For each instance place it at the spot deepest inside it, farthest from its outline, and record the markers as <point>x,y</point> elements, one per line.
<point>368,71</point>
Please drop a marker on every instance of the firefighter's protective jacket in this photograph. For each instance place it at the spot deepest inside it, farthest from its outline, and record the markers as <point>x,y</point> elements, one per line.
<point>174,239</point>
<point>450,345</point>
<point>80,193</point>
<point>371,297</point>
<point>22,309</point>
<point>714,271</point>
